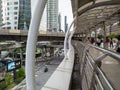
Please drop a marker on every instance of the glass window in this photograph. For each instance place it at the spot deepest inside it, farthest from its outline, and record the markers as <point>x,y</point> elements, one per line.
<point>15,17</point>
<point>15,8</point>
<point>7,18</point>
<point>15,3</point>
<point>8,27</point>
<point>15,22</point>
<point>8,23</point>
<point>10,3</point>
<point>8,8</point>
<point>15,13</point>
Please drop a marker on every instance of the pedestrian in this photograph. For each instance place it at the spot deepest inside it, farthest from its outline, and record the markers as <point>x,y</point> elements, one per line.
<point>98,42</point>
<point>118,45</point>
<point>111,43</point>
<point>46,68</point>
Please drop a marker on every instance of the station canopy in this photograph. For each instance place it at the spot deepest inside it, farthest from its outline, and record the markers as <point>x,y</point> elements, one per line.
<point>91,14</point>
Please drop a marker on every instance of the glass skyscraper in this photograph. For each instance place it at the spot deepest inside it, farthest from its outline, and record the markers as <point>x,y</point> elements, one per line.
<point>24,14</point>
<point>0,13</point>
<point>16,14</point>
<point>52,15</point>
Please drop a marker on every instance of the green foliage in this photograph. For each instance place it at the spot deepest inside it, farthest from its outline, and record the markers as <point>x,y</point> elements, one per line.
<point>10,86</point>
<point>8,79</point>
<point>18,80</point>
<point>3,85</point>
<point>113,36</point>
<point>38,55</point>
<point>23,50</point>
<point>8,83</point>
<point>100,36</point>
<point>20,73</point>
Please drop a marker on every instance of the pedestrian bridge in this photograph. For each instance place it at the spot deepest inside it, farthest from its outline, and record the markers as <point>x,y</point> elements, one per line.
<point>21,35</point>
<point>85,66</point>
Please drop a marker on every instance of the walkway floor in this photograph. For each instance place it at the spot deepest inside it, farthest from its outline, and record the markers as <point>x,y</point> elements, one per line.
<point>111,68</point>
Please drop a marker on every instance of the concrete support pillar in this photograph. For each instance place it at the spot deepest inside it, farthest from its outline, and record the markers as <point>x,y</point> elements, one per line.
<point>51,51</point>
<point>42,51</point>
<point>31,44</point>
<point>110,29</point>
<point>0,54</point>
<point>13,54</point>
<point>21,56</point>
<point>82,36</point>
<point>95,36</point>
<point>104,34</point>
<point>90,33</point>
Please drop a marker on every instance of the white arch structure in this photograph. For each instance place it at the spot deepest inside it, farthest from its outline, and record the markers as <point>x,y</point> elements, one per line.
<point>66,36</point>
<point>31,44</point>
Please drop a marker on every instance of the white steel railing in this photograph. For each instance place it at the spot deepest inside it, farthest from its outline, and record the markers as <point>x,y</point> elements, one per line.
<point>91,75</point>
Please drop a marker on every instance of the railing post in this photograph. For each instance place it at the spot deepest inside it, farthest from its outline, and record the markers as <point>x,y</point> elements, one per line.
<point>31,44</point>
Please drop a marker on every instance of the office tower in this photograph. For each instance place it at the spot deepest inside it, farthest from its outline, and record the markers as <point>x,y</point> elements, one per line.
<point>0,13</point>
<point>59,22</point>
<point>16,13</point>
<point>52,15</point>
<point>65,24</point>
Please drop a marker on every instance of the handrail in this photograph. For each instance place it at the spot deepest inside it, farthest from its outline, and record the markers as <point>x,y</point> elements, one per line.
<point>110,53</point>
<point>91,75</point>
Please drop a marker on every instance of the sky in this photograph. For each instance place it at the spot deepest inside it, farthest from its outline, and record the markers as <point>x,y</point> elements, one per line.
<point>64,9</point>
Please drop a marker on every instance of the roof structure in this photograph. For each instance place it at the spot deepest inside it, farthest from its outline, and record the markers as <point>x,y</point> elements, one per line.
<point>92,14</point>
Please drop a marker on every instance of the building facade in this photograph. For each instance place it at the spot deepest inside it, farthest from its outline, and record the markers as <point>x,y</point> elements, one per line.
<point>59,22</point>
<point>52,15</point>
<point>65,24</point>
<point>16,14</point>
<point>0,13</point>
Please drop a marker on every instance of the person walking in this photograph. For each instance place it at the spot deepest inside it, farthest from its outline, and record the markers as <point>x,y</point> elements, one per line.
<point>111,43</point>
<point>118,45</point>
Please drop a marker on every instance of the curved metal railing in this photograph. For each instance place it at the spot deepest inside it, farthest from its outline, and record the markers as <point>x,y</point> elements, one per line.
<point>91,75</point>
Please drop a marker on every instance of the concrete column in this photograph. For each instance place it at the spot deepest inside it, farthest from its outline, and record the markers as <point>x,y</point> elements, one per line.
<point>90,33</point>
<point>0,54</point>
<point>51,51</point>
<point>82,37</point>
<point>31,44</point>
<point>95,36</point>
<point>110,29</point>
<point>104,33</point>
<point>21,56</point>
